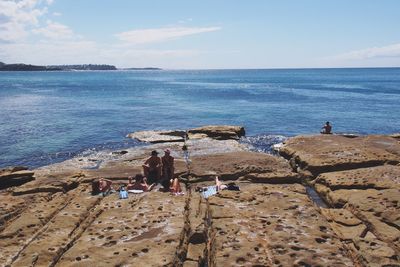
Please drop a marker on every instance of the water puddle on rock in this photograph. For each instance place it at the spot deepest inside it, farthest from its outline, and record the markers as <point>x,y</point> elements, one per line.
<point>313,195</point>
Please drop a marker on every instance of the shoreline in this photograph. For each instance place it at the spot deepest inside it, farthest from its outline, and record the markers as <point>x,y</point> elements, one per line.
<point>324,198</point>
<point>258,143</point>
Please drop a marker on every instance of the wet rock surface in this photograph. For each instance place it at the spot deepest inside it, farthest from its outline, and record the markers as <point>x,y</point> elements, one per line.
<point>272,221</point>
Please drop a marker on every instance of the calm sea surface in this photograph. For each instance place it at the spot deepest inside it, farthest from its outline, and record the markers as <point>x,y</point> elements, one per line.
<point>47,117</point>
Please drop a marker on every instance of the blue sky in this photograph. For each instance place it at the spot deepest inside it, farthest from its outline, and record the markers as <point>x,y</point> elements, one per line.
<point>202,34</point>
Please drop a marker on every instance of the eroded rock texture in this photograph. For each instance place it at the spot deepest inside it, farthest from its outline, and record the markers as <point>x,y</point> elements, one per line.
<point>359,179</point>
<point>327,153</point>
<point>218,132</point>
<point>55,221</point>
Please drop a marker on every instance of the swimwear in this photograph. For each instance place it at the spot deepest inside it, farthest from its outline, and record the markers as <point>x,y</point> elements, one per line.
<point>211,190</point>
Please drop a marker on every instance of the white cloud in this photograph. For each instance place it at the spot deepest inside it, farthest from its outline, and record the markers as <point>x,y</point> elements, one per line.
<point>369,53</point>
<point>54,30</point>
<point>18,16</point>
<point>27,37</point>
<point>156,35</point>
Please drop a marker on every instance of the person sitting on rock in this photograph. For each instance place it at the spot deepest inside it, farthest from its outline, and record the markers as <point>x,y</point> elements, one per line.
<point>152,167</point>
<point>95,187</point>
<point>167,168</point>
<point>175,187</point>
<point>105,186</point>
<point>129,186</point>
<point>141,184</point>
<point>327,128</point>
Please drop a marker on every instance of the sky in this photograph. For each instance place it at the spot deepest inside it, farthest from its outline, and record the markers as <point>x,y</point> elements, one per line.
<point>207,34</point>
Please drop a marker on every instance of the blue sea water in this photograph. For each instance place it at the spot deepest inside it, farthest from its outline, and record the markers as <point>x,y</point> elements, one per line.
<point>47,117</point>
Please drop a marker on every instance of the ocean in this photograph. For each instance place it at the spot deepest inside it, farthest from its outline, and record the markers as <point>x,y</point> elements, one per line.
<point>48,117</point>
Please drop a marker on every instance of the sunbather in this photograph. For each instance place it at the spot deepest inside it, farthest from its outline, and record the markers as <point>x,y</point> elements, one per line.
<point>105,186</point>
<point>214,189</point>
<point>175,187</point>
<point>141,184</point>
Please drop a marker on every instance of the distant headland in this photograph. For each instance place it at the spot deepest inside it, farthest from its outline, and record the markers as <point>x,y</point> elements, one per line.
<point>85,67</point>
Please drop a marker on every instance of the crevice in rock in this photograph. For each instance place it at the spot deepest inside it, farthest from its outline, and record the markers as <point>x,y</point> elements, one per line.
<point>43,229</point>
<point>353,186</point>
<point>298,165</point>
<point>209,254</point>
<point>76,233</point>
<point>371,228</point>
<point>9,217</point>
<point>182,248</point>
<point>15,182</point>
<point>348,166</point>
<point>391,224</point>
<point>315,197</point>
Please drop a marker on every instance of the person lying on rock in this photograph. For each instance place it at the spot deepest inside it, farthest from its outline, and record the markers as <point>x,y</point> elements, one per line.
<point>327,128</point>
<point>141,184</point>
<point>214,189</point>
<point>167,165</point>
<point>105,186</point>
<point>152,168</point>
<point>175,187</point>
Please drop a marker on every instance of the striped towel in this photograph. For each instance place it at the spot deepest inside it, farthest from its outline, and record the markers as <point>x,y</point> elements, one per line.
<point>211,190</point>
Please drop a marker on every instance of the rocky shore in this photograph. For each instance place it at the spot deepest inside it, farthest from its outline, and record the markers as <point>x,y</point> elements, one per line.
<point>49,218</point>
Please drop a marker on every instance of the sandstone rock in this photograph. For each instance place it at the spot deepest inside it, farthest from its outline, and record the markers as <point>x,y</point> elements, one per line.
<point>50,184</point>
<point>395,135</point>
<point>274,177</point>
<point>327,153</point>
<point>15,176</point>
<point>344,223</point>
<point>143,230</point>
<point>381,177</point>
<point>264,224</point>
<point>376,253</point>
<point>61,230</point>
<point>379,209</point>
<point>248,165</point>
<point>272,225</point>
<point>158,136</point>
<point>220,132</point>
<point>22,230</point>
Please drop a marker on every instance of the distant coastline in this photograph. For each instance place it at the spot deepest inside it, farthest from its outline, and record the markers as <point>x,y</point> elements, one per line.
<point>79,67</point>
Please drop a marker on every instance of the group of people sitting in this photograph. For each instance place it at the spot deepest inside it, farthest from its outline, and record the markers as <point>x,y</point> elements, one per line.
<point>156,171</point>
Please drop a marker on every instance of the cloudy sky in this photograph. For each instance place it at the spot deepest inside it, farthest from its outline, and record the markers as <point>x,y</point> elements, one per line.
<point>202,34</point>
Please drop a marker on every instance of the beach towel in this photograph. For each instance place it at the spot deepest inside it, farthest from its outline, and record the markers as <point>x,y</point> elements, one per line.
<point>134,191</point>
